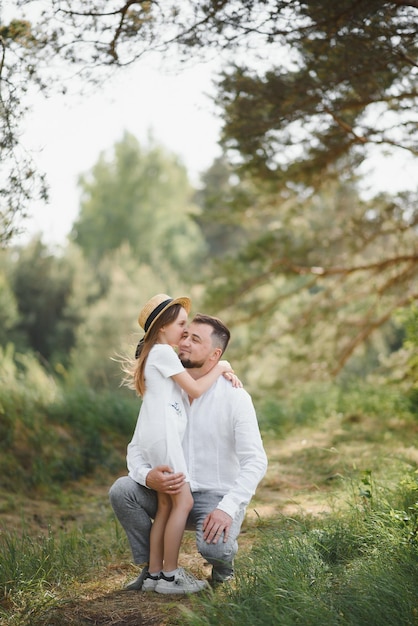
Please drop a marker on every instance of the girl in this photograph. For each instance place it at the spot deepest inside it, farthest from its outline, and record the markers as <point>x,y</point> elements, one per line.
<point>158,376</point>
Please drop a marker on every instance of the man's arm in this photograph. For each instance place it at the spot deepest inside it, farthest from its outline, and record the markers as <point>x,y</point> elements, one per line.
<point>250,453</point>
<point>253,465</point>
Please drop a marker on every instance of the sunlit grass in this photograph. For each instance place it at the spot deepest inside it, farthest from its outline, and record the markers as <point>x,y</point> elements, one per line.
<point>359,568</point>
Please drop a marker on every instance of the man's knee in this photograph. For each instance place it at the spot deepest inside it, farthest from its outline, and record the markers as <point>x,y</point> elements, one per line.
<point>128,497</point>
<point>218,552</point>
<point>119,490</point>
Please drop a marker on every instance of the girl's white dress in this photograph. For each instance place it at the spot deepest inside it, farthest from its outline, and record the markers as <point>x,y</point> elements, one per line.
<point>162,417</point>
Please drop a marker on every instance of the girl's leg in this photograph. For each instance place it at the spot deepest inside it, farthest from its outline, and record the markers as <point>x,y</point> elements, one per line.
<point>181,505</point>
<point>157,533</point>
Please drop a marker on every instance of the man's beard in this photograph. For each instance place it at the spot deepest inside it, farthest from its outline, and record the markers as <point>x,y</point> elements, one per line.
<point>188,364</point>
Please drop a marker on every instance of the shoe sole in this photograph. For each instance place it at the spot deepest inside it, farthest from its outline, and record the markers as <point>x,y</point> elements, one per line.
<point>179,591</point>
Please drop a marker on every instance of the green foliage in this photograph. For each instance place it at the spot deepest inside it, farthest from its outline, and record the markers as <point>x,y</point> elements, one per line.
<point>354,569</point>
<point>309,405</point>
<point>43,286</point>
<point>97,427</point>
<point>20,182</point>
<point>140,197</point>
<point>8,309</point>
<point>310,287</point>
<point>49,436</point>
<point>78,318</point>
<point>109,327</point>
<point>90,413</point>
<point>312,403</point>
<point>219,220</point>
<point>30,567</point>
<point>300,569</point>
<point>411,344</point>
<point>315,263</point>
<point>311,113</point>
<point>25,439</point>
<point>24,383</point>
<point>27,562</point>
<point>401,368</point>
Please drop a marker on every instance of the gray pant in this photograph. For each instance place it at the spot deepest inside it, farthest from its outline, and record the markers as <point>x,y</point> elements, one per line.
<point>135,507</point>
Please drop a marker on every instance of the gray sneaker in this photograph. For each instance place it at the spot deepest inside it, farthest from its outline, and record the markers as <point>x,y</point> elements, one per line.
<point>216,581</point>
<point>136,585</point>
<point>181,583</point>
<point>222,574</point>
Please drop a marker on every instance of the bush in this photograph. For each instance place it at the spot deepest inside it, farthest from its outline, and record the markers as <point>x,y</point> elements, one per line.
<point>98,426</point>
<point>49,434</point>
<point>314,403</point>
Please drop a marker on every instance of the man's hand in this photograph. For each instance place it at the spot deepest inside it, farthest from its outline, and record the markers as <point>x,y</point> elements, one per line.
<point>163,479</point>
<point>216,523</point>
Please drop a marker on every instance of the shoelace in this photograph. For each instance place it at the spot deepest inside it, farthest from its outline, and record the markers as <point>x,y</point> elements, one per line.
<point>186,577</point>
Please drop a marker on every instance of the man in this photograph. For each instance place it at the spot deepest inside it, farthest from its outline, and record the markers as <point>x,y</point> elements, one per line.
<point>224,455</point>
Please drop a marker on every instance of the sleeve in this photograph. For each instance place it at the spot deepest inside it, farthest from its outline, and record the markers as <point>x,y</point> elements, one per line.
<point>250,453</point>
<point>166,361</point>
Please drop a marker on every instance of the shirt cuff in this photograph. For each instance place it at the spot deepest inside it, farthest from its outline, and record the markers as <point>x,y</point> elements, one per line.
<point>227,505</point>
<point>140,476</point>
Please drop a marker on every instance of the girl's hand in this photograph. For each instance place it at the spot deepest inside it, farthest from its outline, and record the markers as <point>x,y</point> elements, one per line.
<point>233,378</point>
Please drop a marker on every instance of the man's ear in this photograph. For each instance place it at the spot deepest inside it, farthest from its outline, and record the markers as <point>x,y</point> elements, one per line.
<point>216,355</point>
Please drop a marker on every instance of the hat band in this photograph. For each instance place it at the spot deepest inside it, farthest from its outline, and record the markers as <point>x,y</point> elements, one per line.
<point>155,312</point>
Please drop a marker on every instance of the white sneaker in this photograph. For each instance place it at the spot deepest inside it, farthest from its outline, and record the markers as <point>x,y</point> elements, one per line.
<point>150,582</point>
<point>182,582</point>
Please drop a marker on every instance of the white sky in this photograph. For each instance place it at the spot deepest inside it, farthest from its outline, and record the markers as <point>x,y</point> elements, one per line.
<point>66,134</point>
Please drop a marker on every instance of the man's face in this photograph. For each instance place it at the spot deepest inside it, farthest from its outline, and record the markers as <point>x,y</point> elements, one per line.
<point>195,347</point>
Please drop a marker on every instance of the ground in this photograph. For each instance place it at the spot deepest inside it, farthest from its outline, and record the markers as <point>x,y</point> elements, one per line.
<point>306,474</point>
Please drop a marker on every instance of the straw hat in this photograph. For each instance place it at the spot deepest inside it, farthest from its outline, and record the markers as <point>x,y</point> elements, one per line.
<point>154,307</point>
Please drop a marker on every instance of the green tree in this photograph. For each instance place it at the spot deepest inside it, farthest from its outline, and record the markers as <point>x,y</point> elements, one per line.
<point>141,197</point>
<point>110,328</point>
<point>300,129</point>
<point>44,288</point>
<point>19,180</point>
<point>319,279</point>
<point>220,219</point>
<point>314,89</point>
<point>8,309</point>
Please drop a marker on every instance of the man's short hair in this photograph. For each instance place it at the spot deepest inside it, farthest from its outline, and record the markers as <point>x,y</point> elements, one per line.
<point>220,333</point>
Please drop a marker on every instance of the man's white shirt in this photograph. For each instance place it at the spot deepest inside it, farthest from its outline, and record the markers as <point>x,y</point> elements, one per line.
<point>222,445</point>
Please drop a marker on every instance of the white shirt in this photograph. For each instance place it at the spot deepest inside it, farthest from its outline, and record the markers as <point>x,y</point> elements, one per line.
<point>222,446</point>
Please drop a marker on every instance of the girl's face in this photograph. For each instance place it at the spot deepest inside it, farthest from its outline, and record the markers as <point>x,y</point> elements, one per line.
<point>172,333</point>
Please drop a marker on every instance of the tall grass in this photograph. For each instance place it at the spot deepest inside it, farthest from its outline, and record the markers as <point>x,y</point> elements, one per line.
<point>359,568</point>
<point>36,572</point>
